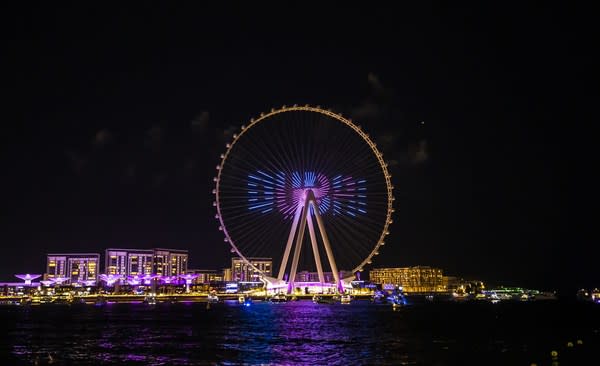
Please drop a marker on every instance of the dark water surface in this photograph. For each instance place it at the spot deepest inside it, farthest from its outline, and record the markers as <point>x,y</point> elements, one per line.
<point>301,333</point>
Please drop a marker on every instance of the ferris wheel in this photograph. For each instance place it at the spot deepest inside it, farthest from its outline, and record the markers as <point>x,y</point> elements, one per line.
<point>304,167</point>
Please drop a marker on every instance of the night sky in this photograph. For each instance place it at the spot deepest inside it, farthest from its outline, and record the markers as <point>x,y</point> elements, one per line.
<point>114,119</point>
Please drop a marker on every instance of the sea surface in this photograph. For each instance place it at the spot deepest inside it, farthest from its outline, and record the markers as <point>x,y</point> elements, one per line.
<point>302,333</point>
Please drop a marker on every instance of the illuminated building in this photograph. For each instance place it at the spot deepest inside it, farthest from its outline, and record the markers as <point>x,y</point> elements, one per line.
<point>411,279</point>
<point>169,262</point>
<point>205,275</point>
<point>227,274</point>
<point>143,262</point>
<point>74,267</point>
<point>305,276</point>
<point>128,262</point>
<point>241,271</point>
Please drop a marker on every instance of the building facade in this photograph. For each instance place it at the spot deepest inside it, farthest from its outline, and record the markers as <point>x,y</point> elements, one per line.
<point>128,262</point>
<point>205,275</point>
<point>243,272</point>
<point>227,274</point>
<point>74,267</point>
<point>419,279</point>
<point>141,262</point>
<point>305,276</point>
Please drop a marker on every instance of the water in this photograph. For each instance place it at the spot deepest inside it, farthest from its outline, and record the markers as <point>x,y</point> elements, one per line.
<point>300,333</point>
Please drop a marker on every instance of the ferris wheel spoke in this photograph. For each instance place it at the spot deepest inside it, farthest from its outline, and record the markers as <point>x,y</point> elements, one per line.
<point>304,156</point>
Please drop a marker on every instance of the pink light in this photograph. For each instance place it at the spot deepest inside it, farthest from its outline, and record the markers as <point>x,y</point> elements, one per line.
<point>59,280</point>
<point>28,278</point>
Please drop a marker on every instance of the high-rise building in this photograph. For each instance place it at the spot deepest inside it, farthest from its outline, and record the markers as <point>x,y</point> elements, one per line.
<point>205,275</point>
<point>128,262</point>
<point>157,261</point>
<point>178,262</point>
<point>305,276</point>
<point>411,279</point>
<point>227,274</point>
<point>242,271</point>
<point>76,267</point>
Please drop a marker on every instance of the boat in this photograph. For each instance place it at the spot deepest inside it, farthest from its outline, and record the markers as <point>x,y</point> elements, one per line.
<point>62,299</point>
<point>345,299</point>
<point>100,301</point>
<point>12,302</point>
<point>212,298</point>
<point>596,296</point>
<point>320,299</point>
<point>245,300</point>
<point>150,300</point>
<point>378,297</point>
<point>397,300</point>
<point>278,298</point>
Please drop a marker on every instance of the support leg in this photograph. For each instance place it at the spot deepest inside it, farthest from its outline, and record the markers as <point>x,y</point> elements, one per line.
<point>328,250</point>
<point>288,246</point>
<point>297,249</point>
<point>315,248</point>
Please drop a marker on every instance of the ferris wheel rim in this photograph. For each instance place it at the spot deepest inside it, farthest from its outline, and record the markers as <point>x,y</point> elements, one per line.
<point>336,116</point>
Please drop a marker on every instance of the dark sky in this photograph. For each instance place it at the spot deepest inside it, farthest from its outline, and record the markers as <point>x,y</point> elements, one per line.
<point>114,119</point>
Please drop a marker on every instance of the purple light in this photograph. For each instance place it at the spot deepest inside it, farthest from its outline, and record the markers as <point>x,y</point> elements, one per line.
<point>28,278</point>
<point>133,280</point>
<point>147,279</point>
<point>110,279</point>
<point>59,280</point>
<point>189,278</point>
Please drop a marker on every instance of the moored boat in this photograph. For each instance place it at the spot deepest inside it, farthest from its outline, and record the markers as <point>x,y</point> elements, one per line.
<point>278,298</point>
<point>345,299</point>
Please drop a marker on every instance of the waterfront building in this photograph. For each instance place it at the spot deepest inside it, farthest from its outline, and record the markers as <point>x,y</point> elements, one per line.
<point>305,276</point>
<point>128,262</point>
<point>144,262</point>
<point>169,262</point>
<point>204,276</point>
<point>72,267</point>
<point>242,271</point>
<point>418,279</point>
<point>227,274</point>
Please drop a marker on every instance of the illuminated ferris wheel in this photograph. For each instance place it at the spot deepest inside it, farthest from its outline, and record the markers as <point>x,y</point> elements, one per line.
<point>298,168</point>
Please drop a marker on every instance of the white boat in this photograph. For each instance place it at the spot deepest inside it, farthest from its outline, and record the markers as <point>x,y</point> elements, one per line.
<point>213,298</point>
<point>278,298</point>
<point>150,300</point>
<point>345,299</point>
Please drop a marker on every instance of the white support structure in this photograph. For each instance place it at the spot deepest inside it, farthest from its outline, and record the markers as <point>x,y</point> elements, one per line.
<point>288,247</point>
<point>315,248</point>
<point>303,213</point>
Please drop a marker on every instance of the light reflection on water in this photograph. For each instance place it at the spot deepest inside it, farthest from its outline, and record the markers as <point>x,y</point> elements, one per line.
<point>292,333</point>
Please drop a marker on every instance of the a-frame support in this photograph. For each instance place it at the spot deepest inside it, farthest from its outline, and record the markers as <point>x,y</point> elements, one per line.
<point>304,215</point>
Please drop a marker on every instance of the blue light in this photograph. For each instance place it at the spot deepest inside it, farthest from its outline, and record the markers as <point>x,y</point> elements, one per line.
<point>259,206</point>
<point>309,179</point>
<point>265,174</point>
